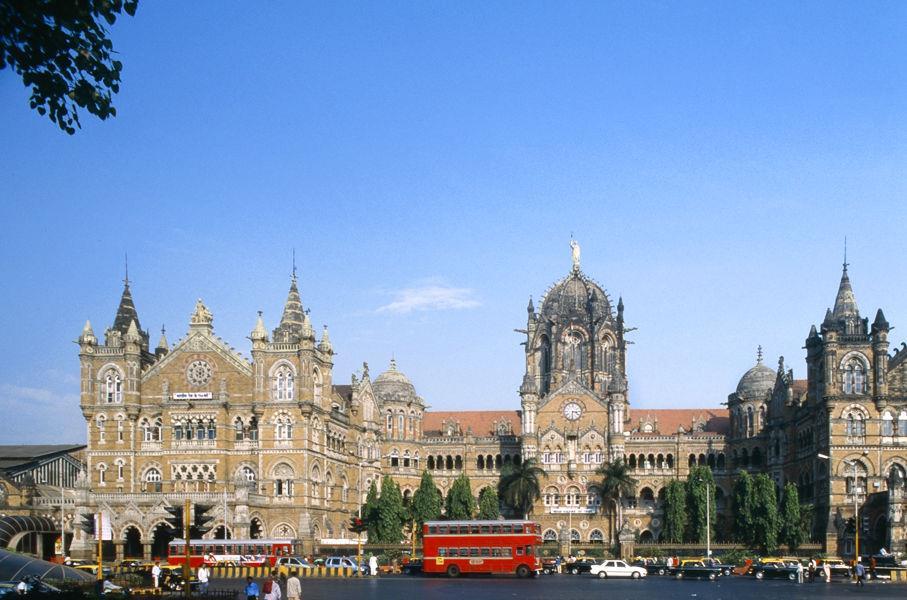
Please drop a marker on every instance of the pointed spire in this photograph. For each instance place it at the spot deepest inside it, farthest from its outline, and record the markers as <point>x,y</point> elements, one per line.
<point>530,308</point>
<point>308,332</point>
<point>291,323</point>
<point>126,312</point>
<point>812,333</point>
<point>259,334</point>
<point>845,302</point>
<point>87,336</point>
<point>829,318</point>
<point>325,344</point>
<point>880,323</point>
<point>620,305</point>
<point>162,345</point>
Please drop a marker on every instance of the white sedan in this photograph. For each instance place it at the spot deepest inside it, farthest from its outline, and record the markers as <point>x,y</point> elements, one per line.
<point>617,568</point>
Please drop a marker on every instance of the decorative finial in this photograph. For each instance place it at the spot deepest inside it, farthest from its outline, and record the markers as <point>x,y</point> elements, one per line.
<point>163,329</point>
<point>126,262</point>
<point>759,355</point>
<point>845,254</point>
<point>294,264</point>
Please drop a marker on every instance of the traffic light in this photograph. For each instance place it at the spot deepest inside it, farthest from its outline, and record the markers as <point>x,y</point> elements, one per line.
<point>201,524</point>
<point>87,524</point>
<point>865,524</point>
<point>850,525</point>
<point>358,525</point>
<point>175,520</point>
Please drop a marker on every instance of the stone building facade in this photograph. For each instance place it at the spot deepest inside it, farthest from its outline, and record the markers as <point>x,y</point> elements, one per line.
<point>283,451</point>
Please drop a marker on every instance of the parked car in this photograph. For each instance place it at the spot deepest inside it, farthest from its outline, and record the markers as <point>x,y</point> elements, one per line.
<point>345,562</point>
<point>579,567</point>
<point>93,569</point>
<point>617,568</point>
<point>776,570</point>
<point>549,565</point>
<point>286,564</point>
<point>838,567</point>
<point>698,569</point>
<point>652,566</point>
<point>412,567</point>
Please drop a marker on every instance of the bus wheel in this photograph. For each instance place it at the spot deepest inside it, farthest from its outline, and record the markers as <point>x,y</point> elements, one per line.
<point>522,571</point>
<point>453,571</point>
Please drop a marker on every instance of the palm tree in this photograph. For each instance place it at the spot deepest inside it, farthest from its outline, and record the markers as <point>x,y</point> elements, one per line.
<point>616,484</point>
<point>519,485</point>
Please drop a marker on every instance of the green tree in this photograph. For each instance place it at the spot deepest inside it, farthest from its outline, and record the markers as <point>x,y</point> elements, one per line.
<point>765,514</point>
<point>520,486</point>
<point>370,511</point>
<point>426,504</point>
<point>489,506</point>
<point>62,50</point>
<point>699,483</point>
<point>391,513</point>
<point>616,484</point>
<point>460,502</point>
<point>808,520</point>
<point>743,509</point>
<point>791,532</point>
<point>675,512</point>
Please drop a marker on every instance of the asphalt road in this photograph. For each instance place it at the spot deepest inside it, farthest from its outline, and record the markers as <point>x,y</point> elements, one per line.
<point>569,587</point>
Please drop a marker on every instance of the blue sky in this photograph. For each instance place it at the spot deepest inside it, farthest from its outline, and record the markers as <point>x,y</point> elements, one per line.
<point>428,162</point>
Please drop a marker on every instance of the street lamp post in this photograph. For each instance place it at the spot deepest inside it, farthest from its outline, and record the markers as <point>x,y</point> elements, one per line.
<point>856,513</point>
<point>708,519</point>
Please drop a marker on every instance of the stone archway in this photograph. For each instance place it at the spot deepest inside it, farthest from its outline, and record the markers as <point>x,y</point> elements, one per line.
<point>132,547</point>
<point>160,538</point>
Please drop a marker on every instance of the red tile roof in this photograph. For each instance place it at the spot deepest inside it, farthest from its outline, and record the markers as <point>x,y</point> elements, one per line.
<point>800,386</point>
<point>480,422</point>
<point>670,420</point>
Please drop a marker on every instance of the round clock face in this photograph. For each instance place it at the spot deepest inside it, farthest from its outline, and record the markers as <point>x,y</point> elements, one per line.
<point>572,411</point>
<point>199,372</point>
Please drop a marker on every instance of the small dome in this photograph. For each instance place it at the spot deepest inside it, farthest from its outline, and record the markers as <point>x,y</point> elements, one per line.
<point>757,382</point>
<point>394,386</point>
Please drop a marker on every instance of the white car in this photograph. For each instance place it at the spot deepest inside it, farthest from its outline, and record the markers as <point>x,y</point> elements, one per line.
<point>617,568</point>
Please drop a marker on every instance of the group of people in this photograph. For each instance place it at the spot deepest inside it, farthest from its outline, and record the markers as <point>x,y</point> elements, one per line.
<point>270,587</point>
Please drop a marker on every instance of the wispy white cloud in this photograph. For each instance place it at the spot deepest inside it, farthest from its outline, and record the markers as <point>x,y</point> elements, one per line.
<point>30,396</point>
<point>428,296</point>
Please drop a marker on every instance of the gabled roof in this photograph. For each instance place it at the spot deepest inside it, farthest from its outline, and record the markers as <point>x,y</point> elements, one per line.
<point>670,420</point>
<point>12,457</point>
<point>480,422</point>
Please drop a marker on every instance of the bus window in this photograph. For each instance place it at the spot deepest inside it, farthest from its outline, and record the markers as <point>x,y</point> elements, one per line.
<point>496,529</point>
<point>518,529</point>
<point>485,552</point>
<point>464,551</point>
<point>451,552</point>
<point>442,529</point>
<point>432,529</point>
<point>496,552</point>
<point>473,551</point>
<point>507,552</point>
<point>464,529</point>
<point>519,551</point>
<point>528,550</point>
<point>507,529</point>
<point>486,529</point>
<point>218,550</point>
<point>442,551</point>
<point>474,529</point>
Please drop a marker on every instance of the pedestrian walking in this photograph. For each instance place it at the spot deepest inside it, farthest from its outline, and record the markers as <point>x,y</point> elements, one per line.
<point>272,589</point>
<point>860,571</point>
<point>826,570</point>
<point>373,564</point>
<point>251,589</point>
<point>156,574</point>
<point>294,588</point>
<point>203,576</point>
<point>812,570</point>
<point>799,572</point>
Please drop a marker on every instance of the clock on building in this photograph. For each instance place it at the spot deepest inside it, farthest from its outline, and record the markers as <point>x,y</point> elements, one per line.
<point>199,372</point>
<point>572,411</point>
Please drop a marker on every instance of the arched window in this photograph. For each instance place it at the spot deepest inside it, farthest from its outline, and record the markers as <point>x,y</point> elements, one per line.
<point>854,377</point>
<point>552,496</point>
<point>283,427</point>
<point>120,428</point>
<point>545,365</point>
<point>102,474</point>
<point>550,535</point>
<point>239,429</point>
<point>283,386</point>
<point>283,481</point>
<point>248,474</point>
<point>854,425</point>
<point>113,387</point>
<point>101,423</point>
<point>153,480</point>
<point>400,426</point>
<point>574,351</point>
<point>750,422</point>
<point>571,498</point>
<point>897,478</point>
<point>596,537</point>
<point>902,423</point>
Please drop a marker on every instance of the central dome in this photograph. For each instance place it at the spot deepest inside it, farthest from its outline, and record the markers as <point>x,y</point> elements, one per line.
<point>576,294</point>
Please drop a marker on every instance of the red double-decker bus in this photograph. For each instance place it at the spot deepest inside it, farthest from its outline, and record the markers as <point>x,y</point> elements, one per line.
<point>460,547</point>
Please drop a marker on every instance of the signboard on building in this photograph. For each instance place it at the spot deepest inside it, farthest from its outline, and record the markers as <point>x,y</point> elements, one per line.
<point>576,510</point>
<point>192,396</point>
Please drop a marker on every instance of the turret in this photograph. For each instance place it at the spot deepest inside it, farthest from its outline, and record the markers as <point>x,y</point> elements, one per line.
<point>87,338</point>
<point>163,347</point>
<point>325,344</point>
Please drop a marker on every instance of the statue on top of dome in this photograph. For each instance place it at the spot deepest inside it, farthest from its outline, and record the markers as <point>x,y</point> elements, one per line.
<point>574,247</point>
